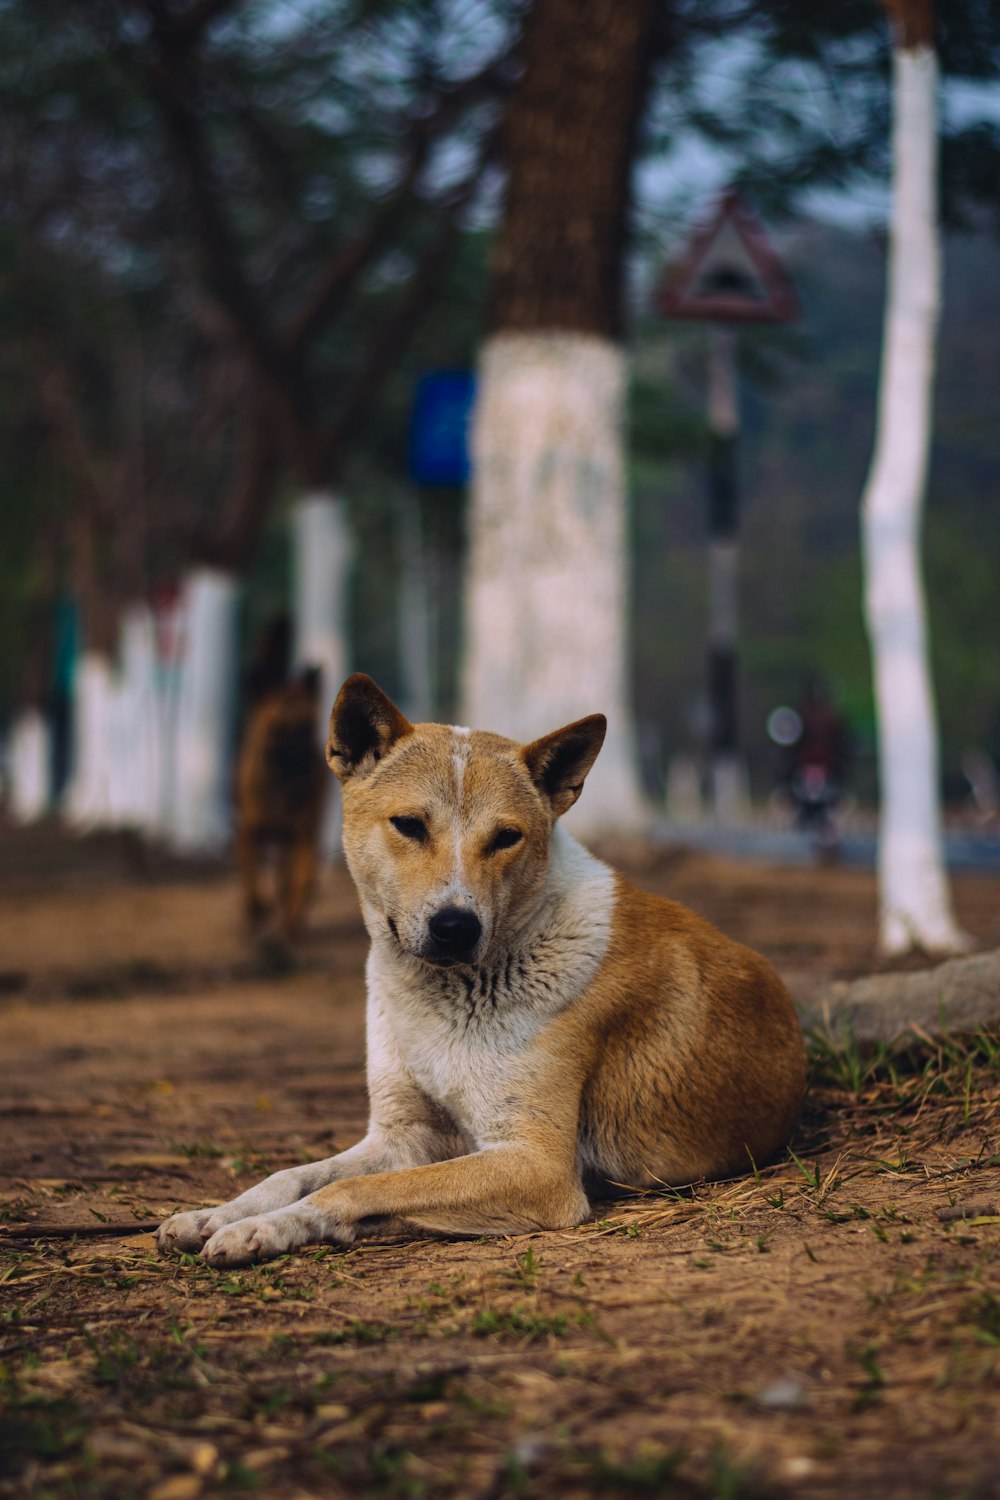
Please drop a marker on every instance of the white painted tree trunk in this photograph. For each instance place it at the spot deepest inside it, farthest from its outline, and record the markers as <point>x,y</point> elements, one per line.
<point>89,802</point>
<point>29,766</point>
<point>915,902</point>
<point>137,749</point>
<point>168,635</point>
<point>201,820</point>
<point>321,558</point>
<point>547,582</point>
<point>415,635</point>
<point>322,552</point>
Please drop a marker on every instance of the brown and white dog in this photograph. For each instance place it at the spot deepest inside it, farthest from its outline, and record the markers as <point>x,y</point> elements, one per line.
<point>536,1026</point>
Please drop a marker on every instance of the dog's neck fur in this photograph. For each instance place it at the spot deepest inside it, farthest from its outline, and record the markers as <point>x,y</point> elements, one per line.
<point>534,969</point>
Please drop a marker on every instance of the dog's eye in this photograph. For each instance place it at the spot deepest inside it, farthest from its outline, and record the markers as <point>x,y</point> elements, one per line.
<point>410,828</point>
<point>506,838</point>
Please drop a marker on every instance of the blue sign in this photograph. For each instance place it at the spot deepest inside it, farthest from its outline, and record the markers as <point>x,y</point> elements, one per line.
<point>439,428</point>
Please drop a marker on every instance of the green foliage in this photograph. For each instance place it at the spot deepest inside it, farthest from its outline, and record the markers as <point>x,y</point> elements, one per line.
<point>34,1427</point>
<point>157,232</point>
<point>519,1323</point>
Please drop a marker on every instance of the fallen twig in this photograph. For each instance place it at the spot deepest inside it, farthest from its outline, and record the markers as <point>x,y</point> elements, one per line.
<point>77,1231</point>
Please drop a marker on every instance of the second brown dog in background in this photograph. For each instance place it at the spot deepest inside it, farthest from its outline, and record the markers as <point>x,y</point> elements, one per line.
<point>280,786</point>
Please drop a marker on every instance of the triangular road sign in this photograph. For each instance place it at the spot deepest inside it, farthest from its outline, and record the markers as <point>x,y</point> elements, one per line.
<point>729,272</point>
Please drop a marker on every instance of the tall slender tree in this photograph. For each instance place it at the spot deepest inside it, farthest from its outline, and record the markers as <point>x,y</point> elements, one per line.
<point>915,902</point>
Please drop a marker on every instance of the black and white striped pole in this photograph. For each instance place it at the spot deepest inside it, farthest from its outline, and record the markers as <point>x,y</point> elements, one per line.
<point>728,783</point>
<point>729,275</point>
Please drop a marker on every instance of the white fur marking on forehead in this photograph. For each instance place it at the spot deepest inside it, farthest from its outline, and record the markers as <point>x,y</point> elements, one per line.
<point>461,749</point>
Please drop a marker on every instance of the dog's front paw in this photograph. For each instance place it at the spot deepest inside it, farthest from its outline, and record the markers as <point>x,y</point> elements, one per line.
<point>186,1232</point>
<point>259,1238</point>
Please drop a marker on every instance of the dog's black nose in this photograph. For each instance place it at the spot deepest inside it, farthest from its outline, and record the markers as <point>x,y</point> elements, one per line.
<point>455,930</point>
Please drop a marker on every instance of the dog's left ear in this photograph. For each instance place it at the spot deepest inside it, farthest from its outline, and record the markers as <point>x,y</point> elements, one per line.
<point>364,724</point>
<point>558,763</point>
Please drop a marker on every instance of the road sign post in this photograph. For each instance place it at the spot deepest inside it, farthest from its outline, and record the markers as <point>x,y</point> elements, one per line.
<point>730,274</point>
<point>723,572</point>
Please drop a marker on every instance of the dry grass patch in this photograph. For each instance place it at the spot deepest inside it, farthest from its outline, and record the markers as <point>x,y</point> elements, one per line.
<point>826,1325</point>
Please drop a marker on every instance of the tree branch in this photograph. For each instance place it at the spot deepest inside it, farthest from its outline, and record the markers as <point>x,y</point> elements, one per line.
<point>198,17</point>
<point>335,285</point>
<point>68,429</point>
<point>395,332</point>
<point>168,76</point>
<point>251,488</point>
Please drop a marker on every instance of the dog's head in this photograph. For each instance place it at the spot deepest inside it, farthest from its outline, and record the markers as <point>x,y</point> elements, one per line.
<point>447,831</point>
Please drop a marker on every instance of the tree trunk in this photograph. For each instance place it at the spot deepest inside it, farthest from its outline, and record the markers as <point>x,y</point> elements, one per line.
<point>88,802</point>
<point>138,753</point>
<point>168,636</point>
<point>30,781</point>
<point>416,656</point>
<point>202,815</point>
<point>956,998</point>
<point>547,589</point>
<point>915,903</point>
<point>29,753</point>
<point>321,558</point>
<point>546,604</point>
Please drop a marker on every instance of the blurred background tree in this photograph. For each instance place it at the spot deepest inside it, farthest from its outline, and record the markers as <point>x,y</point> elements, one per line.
<point>300,180</point>
<point>235,218</point>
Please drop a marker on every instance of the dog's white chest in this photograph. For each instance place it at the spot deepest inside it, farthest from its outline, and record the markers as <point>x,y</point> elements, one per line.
<point>463,1041</point>
<point>467,1072</point>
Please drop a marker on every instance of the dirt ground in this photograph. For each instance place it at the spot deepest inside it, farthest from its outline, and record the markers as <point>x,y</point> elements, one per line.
<point>828,1328</point>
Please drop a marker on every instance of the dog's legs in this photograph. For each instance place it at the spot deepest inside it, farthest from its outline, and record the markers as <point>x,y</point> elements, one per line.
<point>376,1153</point>
<point>503,1190</point>
<point>297,872</point>
<point>528,1179</point>
<point>248,855</point>
<point>405,1128</point>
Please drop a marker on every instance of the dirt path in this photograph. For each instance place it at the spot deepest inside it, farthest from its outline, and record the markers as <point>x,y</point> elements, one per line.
<point>832,1329</point>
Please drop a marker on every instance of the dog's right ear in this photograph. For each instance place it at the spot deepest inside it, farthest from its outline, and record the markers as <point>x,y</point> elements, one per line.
<point>364,724</point>
<point>558,764</point>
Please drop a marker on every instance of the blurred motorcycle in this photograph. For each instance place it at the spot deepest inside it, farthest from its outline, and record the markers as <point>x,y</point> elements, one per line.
<point>813,742</point>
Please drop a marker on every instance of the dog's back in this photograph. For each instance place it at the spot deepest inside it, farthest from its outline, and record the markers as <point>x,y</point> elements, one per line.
<point>698,1066</point>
